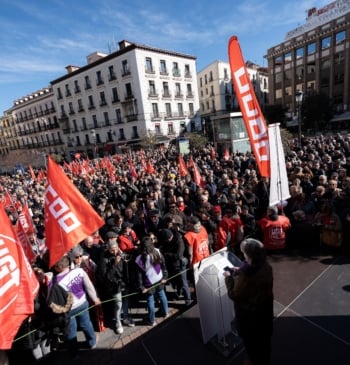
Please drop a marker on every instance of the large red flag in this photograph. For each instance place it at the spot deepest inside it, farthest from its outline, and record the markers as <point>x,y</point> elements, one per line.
<point>182,167</point>
<point>197,177</point>
<point>18,283</point>
<point>69,217</point>
<point>251,112</point>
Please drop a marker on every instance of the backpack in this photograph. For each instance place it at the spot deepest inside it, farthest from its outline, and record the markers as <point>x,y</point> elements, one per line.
<point>59,302</point>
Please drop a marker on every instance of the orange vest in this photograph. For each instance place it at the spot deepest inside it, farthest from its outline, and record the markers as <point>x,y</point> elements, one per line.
<point>200,244</point>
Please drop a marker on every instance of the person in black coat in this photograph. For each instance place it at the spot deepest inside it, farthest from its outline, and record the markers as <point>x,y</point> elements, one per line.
<point>251,289</point>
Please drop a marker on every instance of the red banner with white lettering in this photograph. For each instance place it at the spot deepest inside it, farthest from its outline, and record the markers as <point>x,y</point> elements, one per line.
<point>69,217</point>
<point>251,112</point>
<point>18,283</point>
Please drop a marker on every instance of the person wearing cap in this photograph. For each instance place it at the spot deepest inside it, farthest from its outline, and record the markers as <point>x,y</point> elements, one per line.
<point>273,228</point>
<point>154,222</point>
<point>113,279</point>
<point>172,246</point>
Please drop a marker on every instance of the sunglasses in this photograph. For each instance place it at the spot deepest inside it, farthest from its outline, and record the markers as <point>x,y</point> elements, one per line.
<point>77,257</point>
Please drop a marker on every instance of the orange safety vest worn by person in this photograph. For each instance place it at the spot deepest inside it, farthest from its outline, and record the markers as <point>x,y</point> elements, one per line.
<point>197,240</point>
<point>274,227</point>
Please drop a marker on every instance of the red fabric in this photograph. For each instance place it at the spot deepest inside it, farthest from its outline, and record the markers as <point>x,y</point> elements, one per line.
<point>24,240</point>
<point>274,232</point>
<point>249,106</point>
<point>69,217</point>
<point>18,283</point>
<point>226,155</point>
<point>126,244</point>
<point>200,244</point>
<point>182,167</point>
<point>32,174</point>
<point>227,232</point>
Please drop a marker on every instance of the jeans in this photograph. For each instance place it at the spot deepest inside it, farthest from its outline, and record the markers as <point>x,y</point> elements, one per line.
<point>120,303</point>
<point>80,317</point>
<point>160,293</point>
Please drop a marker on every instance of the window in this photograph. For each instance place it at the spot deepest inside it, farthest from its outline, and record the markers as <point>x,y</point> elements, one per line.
<point>80,105</point>
<point>325,42</point>
<point>311,48</point>
<point>168,109</point>
<point>163,70</point>
<point>87,83</point>
<point>102,99</point>
<point>128,90</point>
<point>278,60</point>
<point>99,79</point>
<point>176,70</point>
<point>166,92</point>
<point>157,128</point>
<point>121,133</point>
<point>180,110</point>
<point>118,116</point>
<point>70,107</point>
<point>149,66</point>
<point>135,134</point>
<point>115,96</point>
<point>155,110</point>
<point>76,87</point>
<point>340,37</point>
<point>111,72</point>
<point>187,71</point>
<point>191,108</point>
<point>189,91</point>
<point>106,118</point>
<point>226,74</point>
<point>91,102</point>
<point>210,76</point>
<point>152,88</point>
<point>68,93</point>
<point>83,122</point>
<point>94,121</point>
<point>170,128</point>
<point>125,68</point>
<point>59,93</point>
<point>287,57</point>
<point>299,53</point>
<point>178,90</point>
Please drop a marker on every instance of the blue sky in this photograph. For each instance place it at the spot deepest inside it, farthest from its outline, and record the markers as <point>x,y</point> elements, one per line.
<point>39,38</point>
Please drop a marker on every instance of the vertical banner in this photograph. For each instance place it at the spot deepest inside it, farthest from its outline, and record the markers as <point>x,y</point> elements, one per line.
<point>279,186</point>
<point>251,112</point>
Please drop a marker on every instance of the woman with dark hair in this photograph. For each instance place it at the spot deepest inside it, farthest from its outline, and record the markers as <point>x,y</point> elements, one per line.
<point>152,276</point>
<point>251,289</point>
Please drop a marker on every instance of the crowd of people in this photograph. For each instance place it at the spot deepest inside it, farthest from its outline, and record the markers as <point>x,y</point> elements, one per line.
<point>159,223</point>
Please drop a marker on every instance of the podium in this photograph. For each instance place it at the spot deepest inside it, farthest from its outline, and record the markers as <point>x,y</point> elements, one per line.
<point>215,307</point>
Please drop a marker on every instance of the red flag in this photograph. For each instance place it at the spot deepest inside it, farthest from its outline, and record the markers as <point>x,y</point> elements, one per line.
<point>132,169</point>
<point>26,220</point>
<point>18,284</point>
<point>251,112</point>
<point>32,174</point>
<point>69,217</point>
<point>197,177</point>
<point>182,167</point>
<point>212,153</point>
<point>226,154</point>
<point>150,169</point>
<point>24,240</point>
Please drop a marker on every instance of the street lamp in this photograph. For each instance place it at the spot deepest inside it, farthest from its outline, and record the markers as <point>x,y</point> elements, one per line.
<point>298,100</point>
